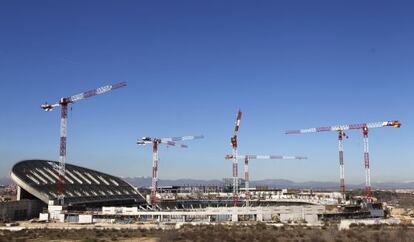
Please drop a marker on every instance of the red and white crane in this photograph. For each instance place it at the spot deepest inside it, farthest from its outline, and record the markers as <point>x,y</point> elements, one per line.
<point>247,158</point>
<point>63,104</point>
<point>340,129</point>
<point>155,142</point>
<point>235,162</point>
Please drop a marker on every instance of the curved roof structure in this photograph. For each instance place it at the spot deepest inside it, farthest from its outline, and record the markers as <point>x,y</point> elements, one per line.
<point>83,186</point>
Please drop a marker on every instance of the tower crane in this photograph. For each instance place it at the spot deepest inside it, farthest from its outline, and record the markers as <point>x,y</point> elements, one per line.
<point>247,158</point>
<point>63,104</point>
<point>340,129</point>
<point>235,162</point>
<point>155,142</point>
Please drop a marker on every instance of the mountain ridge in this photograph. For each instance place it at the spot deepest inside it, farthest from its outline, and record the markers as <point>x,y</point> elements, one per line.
<point>272,183</point>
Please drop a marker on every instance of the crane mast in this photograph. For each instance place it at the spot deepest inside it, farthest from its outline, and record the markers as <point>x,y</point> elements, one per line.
<point>341,135</point>
<point>154,181</point>
<point>366,164</point>
<point>235,162</point>
<point>62,153</point>
<point>246,180</point>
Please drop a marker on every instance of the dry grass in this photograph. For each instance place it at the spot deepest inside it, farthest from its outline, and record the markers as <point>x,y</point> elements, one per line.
<point>211,233</point>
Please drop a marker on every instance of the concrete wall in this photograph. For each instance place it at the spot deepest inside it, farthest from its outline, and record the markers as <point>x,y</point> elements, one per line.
<point>308,213</point>
<point>85,218</point>
<point>20,210</point>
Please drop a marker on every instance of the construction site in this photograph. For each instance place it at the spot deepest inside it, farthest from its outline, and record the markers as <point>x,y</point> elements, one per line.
<point>227,121</point>
<point>62,193</point>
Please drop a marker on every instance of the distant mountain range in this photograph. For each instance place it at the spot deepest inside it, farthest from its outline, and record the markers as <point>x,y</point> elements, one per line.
<point>5,181</point>
<point>272,183</point>
<point>146,182</point>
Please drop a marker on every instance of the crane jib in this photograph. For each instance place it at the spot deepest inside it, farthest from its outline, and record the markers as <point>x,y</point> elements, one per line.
<point>395,124</point>
<point>96,91</point>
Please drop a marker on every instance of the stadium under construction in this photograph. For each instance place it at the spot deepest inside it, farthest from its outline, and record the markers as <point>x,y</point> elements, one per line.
<point>92,197</point>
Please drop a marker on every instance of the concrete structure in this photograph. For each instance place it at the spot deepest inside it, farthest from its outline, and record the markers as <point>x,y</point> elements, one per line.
<point>20,210</point>
<point>261,196</point>
<point>308,213</point>
<point>43,216</point>
<point>37,179</point>
<point>85,219</point>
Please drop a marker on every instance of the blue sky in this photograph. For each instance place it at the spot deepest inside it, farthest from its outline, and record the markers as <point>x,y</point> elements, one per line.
<point>190,65</point>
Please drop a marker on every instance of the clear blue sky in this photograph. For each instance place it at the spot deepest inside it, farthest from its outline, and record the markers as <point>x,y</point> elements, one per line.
<point>191,64</point>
